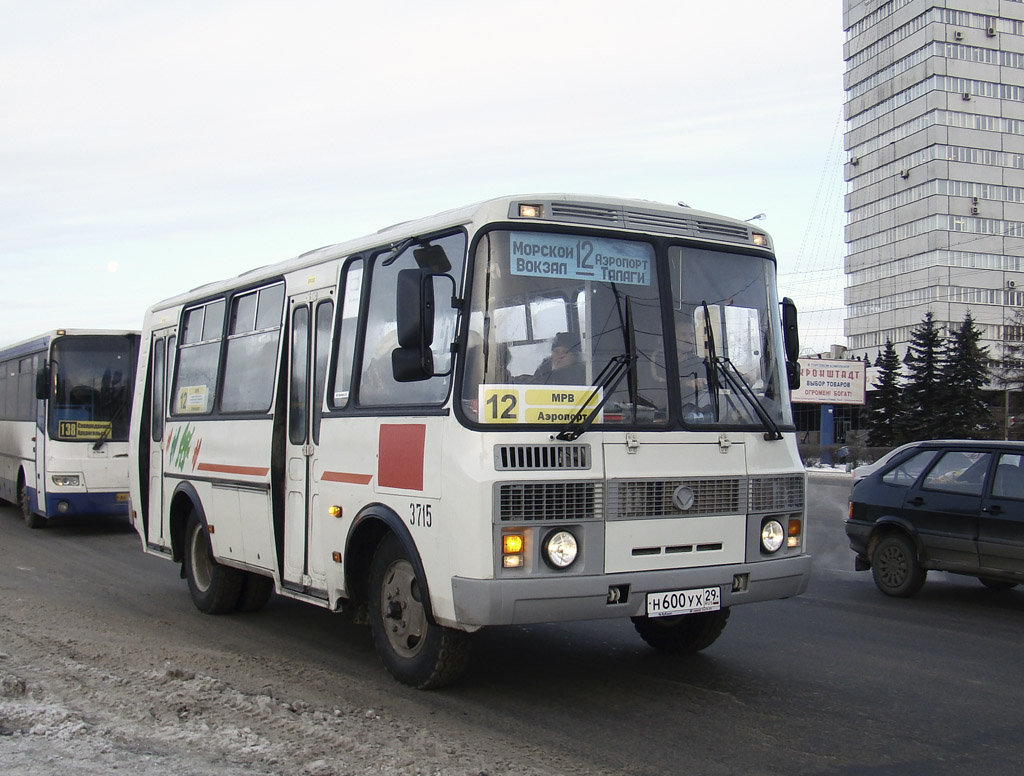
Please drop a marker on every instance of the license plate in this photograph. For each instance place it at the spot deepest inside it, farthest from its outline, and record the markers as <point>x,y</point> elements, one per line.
<point>121,497</point>
<point>701,599</point>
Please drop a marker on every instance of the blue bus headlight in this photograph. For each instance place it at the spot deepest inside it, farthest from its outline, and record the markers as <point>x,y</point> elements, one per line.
<point>560,549</point>
<point>772,535</point>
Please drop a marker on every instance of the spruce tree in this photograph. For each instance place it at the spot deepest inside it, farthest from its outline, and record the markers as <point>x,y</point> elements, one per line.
<point>923,398</point>
<point>886,403</point>
<point>964,373</point>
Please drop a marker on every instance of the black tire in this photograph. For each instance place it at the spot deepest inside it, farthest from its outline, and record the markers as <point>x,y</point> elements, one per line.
<point>215,589</point>
<point>256,591</point>
<point>684,634</point>
<point>415,650</point>
<point>996,584</point>
<point>895,568</point>
<point>31,517</point>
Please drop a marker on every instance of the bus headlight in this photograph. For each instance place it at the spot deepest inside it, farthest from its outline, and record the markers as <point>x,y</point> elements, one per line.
<point>560,549</point>
<point>772,535</point>
<point>66,480</point>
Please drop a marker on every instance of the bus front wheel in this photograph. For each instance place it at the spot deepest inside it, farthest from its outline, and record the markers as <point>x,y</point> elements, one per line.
<point>414,650</point>
<point>683,634</point>
<point>215,589</point>
<point>32,519</point>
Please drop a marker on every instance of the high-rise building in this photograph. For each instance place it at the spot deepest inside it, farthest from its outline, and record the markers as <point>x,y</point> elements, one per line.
<point>935,168</point>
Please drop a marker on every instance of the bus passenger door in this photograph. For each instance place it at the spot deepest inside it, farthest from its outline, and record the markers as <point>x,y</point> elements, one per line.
<point>309,332</point>
<point>161,352</point>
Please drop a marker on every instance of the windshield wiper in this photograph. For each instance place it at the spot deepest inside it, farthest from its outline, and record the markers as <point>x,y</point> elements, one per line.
<point>738,383</point>
<point>710,357</point>
<point>608,380</point>
<point>109,430</point>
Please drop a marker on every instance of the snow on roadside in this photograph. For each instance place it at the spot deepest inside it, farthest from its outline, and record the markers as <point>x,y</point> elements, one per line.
<point>177,721</point>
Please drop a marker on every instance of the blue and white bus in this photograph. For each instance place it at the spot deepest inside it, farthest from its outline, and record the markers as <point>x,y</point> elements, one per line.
<point>65,406</point>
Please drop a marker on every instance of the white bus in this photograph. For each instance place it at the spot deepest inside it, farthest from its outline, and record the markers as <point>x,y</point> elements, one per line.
<point>492,416</point>
<point>65,404</point>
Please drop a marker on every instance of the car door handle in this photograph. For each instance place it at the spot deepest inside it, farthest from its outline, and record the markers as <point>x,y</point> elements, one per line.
<point>995,509</point>
<point>916,501</point>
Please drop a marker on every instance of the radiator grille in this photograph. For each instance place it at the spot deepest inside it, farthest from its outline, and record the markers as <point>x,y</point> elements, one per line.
<point>632,499</point>
<point>536,501</point>
<point>776,494</point>
<point>541,457</point>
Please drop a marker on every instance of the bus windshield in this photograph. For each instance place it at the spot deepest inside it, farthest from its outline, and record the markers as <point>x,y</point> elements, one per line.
<point>92,388</point>
<point>565,327</point>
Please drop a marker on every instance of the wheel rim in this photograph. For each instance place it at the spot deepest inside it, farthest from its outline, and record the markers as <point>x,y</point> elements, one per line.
<point>201,562</point>
<point>893,566</point>
<point>402,612</point>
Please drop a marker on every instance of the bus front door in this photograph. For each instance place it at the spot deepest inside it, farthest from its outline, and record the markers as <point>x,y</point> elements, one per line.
<point>160,352</point>
<point>304,566</point>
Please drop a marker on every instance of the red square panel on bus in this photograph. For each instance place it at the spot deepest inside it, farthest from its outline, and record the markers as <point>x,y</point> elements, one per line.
<point>400,456</point>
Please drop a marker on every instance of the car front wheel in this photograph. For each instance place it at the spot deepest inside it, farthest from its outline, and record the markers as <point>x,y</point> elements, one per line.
<point>895,568</point>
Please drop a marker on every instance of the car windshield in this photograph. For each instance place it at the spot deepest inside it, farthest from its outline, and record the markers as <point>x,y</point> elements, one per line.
<point>568,326</point>
<point>92,384</point>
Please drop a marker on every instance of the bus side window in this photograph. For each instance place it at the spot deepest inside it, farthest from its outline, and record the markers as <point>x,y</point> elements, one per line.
<point>199,359</point>
<point>253,342</point>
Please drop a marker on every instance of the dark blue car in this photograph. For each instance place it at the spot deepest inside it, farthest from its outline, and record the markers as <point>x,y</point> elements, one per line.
<point>949,505</point>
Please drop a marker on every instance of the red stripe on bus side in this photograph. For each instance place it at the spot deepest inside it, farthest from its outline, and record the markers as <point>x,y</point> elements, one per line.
<point>355,479</point>
<point>400,459</point>
<point>223,468</point>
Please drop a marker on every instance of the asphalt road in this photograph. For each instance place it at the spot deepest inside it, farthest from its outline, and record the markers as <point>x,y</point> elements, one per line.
<point>841,680</point>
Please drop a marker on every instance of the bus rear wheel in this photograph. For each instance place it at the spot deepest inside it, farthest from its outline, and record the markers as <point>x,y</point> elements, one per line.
<point>683,634</point>
<point>32,519</point>
<point>215,588</point>
<point>415,650</point>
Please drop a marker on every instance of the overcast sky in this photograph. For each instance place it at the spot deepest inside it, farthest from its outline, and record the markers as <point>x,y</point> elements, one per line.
<point>148,147</point>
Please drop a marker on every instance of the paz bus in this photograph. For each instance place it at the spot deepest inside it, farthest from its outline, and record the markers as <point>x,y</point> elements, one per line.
<point>65,406</point>
<point>533,409</point>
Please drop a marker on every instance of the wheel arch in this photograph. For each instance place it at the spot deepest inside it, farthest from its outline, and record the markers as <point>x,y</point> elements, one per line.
<point>368,529</point>
<point>889,526</point>
<point>184,500</point>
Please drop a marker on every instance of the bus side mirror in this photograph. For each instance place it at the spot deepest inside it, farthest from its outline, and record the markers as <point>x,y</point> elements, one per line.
<point>413,359</point>
<point>791,339</point>
<point>43,382</point>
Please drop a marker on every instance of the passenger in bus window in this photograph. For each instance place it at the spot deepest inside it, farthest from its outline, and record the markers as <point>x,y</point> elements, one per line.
<point>563,366</point>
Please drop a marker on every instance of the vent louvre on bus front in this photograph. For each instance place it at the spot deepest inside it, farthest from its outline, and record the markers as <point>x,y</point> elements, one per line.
<point>540,501</point>
<point>541,457</point>
<point>636,499</point>
<point>644,220</point>
<point>776,494</point>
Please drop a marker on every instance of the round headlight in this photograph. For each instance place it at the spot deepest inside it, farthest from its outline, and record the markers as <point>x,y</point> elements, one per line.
<point>772,535</point>
<point>560,549</point>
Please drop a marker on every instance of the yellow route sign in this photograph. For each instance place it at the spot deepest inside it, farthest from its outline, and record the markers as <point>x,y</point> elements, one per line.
<point>83,429</point>
<point>510,403</point>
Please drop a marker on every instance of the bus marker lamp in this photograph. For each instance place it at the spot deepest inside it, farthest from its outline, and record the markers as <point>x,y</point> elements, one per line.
<point>758,238</point>
<point>334,511</point>
<point>795,532</point>
<point>772,535</point>
<point>560,549</point>
<point>531,211</point>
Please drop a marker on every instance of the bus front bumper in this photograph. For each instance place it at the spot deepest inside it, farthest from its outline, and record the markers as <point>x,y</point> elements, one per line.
<point>73,504</point>
<point>480,602</point>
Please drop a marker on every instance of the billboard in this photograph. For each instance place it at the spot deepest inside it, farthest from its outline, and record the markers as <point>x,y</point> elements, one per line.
<point>831,381</point>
